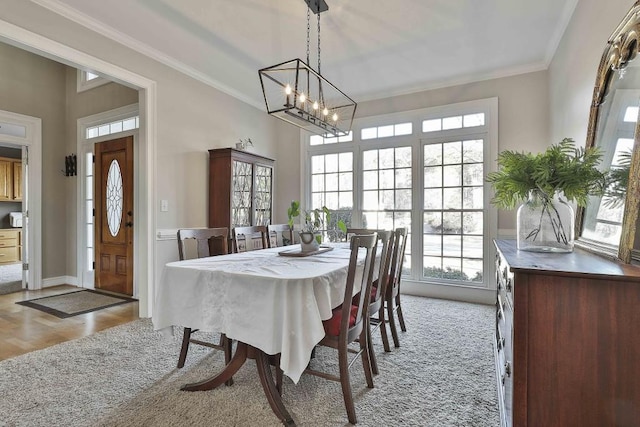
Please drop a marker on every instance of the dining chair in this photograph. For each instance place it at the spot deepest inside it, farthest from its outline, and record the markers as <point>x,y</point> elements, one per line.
<point>392,295</point>
<point>279,235</point>
<point>349,322</point>
<point>249,238</point>
<point>199,243</point>
<point>376,297</point>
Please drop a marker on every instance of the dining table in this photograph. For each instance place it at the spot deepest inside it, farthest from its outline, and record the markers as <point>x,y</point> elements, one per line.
<point>271,301</point>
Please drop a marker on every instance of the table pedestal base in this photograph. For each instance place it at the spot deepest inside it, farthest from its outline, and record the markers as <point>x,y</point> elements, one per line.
<point>244,352</point>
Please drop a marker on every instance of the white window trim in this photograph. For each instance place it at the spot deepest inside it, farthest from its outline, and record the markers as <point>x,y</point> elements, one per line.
<point>484,293</point>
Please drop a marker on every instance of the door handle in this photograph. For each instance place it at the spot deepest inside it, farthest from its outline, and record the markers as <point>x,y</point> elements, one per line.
<point>129,224</point>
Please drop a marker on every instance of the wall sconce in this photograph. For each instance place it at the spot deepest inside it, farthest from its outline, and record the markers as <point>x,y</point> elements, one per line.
<point>70,165</point>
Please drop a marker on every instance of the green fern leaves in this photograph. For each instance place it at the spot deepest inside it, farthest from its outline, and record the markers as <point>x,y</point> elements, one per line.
<point>562,167</point>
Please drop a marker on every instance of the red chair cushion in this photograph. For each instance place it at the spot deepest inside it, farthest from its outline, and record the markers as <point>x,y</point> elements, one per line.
<point>332,326</point>
<point>356,298</point>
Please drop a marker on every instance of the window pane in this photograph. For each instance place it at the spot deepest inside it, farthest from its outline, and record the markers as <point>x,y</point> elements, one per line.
<point>385,131</point>
<point>452,246</point>
<point>116,127</point>
<point>472,120</point>
<point>370,200</point>
<point>433,154</point>
<point>472,246</point>
<point>431,125</point>
<point>386,178</point>
<point>345,162</point>
<point>403,157</point>
<point>472,151</point>
<point>403,178</point>
<point>432,223</point>
<point>103,130</point>
<point>129,124</point>
<point>472,198</point>
<point>403,199</point>
<point>331,200</point>
<point>433,176</point>
<point>433,199</point>
<point>452,122</point>
<point>370,180</point>
<point>472,174</point>
<point>472,223</point>
<point>317,183</point>
<point>387,199</point>
<point>452,198</point>
<point>346,181</point>
<point>452,176</point>
<point>631,114</point>
<point>331,163</point>
<point>386,158</point>
<point>369,133</point>
<point>347,138</point>
<point>315,140</point>
<point>452,152</point>
<point>403,129</point>
<point>89,163</point>
<point>331,182</point>
<point>452,222</point>
<point>317,164</point>
<point>370,159</point>
<point>345,200</point>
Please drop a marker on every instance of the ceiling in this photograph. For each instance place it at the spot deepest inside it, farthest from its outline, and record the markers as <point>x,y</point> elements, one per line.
<point>369,49</point>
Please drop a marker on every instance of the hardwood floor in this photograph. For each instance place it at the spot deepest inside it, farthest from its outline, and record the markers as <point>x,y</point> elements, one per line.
<point>24,329</point>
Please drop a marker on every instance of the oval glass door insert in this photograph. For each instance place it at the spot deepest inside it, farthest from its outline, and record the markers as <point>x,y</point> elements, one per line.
<point>113,192</point>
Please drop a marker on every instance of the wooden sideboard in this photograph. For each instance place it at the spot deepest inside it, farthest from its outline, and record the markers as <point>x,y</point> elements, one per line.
<point>567,345</point>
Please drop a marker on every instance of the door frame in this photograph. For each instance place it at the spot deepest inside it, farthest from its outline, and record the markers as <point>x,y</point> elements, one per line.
<point>32,140</point>
<point>147,98</point>
<point>86,146</point>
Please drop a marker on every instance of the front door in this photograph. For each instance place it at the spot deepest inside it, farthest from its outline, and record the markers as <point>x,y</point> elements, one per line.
<point>114,215</point>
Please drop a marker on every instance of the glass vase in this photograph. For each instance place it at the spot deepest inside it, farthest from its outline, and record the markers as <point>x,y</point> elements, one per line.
<point>545,224</point>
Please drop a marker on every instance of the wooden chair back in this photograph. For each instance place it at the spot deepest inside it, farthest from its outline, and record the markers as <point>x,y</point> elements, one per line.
<point>280,235</point>
<point>362,284</point>
<point>249,238</point>
<point>202,242</point>
<point>387,238</point>
<point>396,262</point>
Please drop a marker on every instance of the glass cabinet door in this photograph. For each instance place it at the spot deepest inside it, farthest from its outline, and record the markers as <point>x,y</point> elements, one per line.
<point>242,180</point>
<point>262,213</point>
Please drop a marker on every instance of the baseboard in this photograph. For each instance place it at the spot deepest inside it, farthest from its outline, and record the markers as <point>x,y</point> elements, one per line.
<point>456,293</point>
<point>60,280</point>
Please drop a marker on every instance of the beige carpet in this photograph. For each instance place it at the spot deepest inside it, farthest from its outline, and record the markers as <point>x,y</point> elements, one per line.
<point>75,303</point>
<point>126,376</point>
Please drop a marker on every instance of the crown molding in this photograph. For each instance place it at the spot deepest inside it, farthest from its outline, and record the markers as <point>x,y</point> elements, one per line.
<point>111,33</point>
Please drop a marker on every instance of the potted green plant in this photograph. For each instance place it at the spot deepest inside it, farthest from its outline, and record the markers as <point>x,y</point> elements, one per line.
<point>315,220</point>
<point>545,182</point>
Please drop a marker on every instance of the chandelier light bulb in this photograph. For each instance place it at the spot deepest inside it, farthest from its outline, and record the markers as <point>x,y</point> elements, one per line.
<point>325,111</point>
<point>315,105</point>
<point>303,97</point>
<point>335,117</point>
<point>287,90</point>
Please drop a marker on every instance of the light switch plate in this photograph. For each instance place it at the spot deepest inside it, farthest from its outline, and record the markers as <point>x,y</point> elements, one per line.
<point>164,206</point>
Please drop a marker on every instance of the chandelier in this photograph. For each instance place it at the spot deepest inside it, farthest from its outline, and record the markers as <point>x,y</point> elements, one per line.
<point>298,94</point>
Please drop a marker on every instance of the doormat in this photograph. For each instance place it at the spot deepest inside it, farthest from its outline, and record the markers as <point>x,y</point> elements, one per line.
<point>75,303</point>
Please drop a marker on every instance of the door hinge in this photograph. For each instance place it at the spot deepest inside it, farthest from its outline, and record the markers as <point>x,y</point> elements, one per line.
<point>94,265</point>
<point>25,266</point>
<point>94,212</point>
<point>94,158</point>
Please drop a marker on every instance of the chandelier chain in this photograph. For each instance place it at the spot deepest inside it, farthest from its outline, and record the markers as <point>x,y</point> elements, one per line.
<point>308,31</point>
<point>319,44</point>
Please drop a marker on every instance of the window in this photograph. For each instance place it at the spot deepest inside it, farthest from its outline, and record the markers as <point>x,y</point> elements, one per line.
<point>387,131</point>
<point>453,210</point>
<point>387,190</point>
<point>117,126</point>
<point>332,185</point>
<point>318,140</point>
<point>88,80</point>
<point>424,172</point>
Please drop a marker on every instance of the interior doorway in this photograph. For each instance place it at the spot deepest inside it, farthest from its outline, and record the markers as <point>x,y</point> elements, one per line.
<point>20,210</point>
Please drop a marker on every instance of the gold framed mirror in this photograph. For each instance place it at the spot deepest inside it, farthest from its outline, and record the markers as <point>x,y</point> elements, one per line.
<point>608,224</point>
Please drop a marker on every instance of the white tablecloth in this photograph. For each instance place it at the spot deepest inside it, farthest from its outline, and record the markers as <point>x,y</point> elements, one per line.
<point>271,302</point>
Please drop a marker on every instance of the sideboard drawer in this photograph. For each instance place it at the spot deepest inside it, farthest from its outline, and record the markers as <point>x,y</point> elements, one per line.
<point>11,254</point>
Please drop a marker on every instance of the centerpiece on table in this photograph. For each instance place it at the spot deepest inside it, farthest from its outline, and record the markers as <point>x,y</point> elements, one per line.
<point>546,182</point>
<point>315,221</point>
